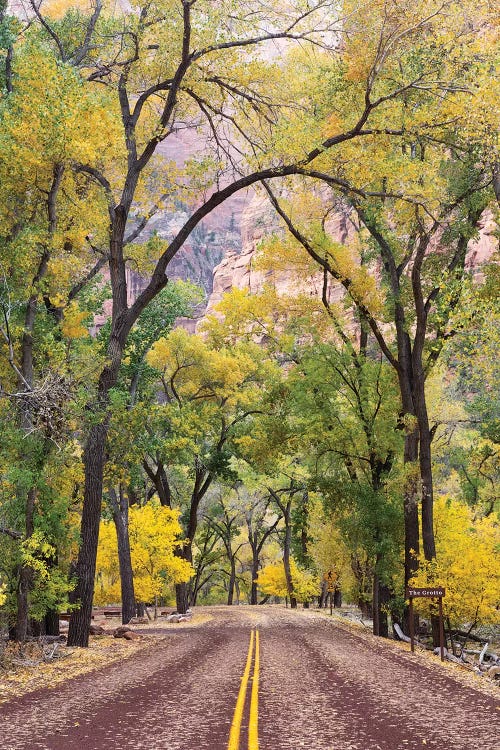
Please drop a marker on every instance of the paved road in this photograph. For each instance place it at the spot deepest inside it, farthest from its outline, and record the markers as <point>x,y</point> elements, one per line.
<point>296,679</point>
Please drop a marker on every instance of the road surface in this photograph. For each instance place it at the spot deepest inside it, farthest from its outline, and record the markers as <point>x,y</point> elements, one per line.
<point>258,678</point>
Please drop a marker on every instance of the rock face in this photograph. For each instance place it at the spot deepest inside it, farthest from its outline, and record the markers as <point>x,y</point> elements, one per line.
<point>236,269</point>
<point>219,235</point>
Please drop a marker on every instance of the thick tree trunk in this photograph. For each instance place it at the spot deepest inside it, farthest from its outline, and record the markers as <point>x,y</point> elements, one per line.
<point>255,573</point>
<point>182,597</point>
<point>287,553</point>
<point>376,605</point>
<point>183,591</point>
<point>51,622</point>
<point>94,457</point>
<point>24,585</point>
<point>119,506</point>
<point>425,461</point>
<point>381,596</point>
<point>323,597</point>
<point>25,581</point>
<point>411,457</point>
<point>232,580</point>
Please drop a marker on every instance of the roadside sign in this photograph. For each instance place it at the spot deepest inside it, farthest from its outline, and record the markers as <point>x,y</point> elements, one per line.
<point>435,591</point>
<point>431,592</point>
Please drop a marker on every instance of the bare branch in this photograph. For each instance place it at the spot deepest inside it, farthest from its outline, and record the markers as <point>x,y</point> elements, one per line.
<point>48,28</point>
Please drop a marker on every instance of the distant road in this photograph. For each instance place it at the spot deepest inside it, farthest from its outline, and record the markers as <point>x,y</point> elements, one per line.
<point>258,678</point>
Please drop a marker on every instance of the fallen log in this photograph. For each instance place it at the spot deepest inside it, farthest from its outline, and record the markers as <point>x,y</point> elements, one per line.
<point>400,634</point>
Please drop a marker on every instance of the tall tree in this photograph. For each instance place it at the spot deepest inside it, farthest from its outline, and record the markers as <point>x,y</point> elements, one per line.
<point>45,262</point>
<point>209,397</point>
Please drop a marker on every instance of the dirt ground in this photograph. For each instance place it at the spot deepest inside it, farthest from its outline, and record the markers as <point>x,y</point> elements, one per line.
<point>323,684</point>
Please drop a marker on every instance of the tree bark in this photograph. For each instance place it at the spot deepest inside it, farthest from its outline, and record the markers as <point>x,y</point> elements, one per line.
<point>120,507</point>
<point>255,573</point>
<point>25,581</point>
<point>78,633</point>
<point>232,580</point>
<point>184,590</point>
<point>287,553</point>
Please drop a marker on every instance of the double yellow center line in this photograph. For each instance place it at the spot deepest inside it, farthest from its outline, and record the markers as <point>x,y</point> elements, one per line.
<point>253,722</point>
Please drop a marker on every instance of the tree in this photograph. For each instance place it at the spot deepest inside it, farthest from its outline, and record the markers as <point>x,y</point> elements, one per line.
<point>209,396</point>
<point>273,581</point>
<point>136,385</point>
<point>45,263</point>
<point>332,427</point>
<point>225,518</point>
<point>466,564</point>
<point>207,557</point>
<point>154,535</point>
<point>419,200</point>
<point>184,80</point>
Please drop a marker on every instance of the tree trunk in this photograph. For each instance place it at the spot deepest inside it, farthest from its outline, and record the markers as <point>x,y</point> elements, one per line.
<point>323,597</point>
<point>425,460</point>
<point>410,503</point>
<point>182,597</point>
<point>25,581</point>
<point>381,596</point>
<point>94,457</point>
<point>286,554</point>
<point>51,619</point>
<point>255,573</point>
<point>232,579</point>
<point>376,605</point>
<point>183,591</point>
<point>119,508</point>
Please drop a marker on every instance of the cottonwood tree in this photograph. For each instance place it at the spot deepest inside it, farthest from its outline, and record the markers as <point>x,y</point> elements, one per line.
<point>419,203</point>
<point>225,518</point>
<point>154,535</point>
<point>422,264</point>
<point>45,263</point>
<point>208,398</point>
<point>134,392</point>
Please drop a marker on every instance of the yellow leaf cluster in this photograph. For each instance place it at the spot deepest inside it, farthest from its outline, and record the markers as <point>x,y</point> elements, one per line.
<point>272,581</point>
<point>72,325</point>
<point>467,564</point>
<point>154,533</point>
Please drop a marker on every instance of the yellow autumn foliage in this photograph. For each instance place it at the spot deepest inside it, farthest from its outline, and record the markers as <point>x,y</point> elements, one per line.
<point>72,325</point>
<point>467,564</point>
<point>271,580</point>
<point>3,596</point>
<point>154,533</point>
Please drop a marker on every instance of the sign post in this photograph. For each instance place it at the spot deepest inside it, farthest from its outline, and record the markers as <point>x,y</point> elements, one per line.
<point>436,592</point>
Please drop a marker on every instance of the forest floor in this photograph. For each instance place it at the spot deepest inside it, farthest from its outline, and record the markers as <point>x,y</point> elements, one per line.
<point>320,682</point>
